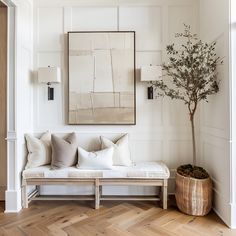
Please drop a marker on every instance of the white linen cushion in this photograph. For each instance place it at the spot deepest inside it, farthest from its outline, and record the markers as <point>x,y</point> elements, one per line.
<point>39,150</point>
<point>121,154</point>
<point>100,160</point>
<point>156,170</point>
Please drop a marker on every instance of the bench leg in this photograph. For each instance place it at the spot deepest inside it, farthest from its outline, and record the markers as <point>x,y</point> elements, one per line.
<point>97,194</point>
<point>164,194</point>
<point>24,196</point>
<point>100,190</point>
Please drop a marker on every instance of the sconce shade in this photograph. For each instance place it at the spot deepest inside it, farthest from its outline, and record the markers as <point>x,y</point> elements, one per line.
<point>151,73</point>
<point>49,75</point>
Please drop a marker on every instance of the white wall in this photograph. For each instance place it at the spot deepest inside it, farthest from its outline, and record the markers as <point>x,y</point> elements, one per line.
<point>20,104</point>
<point>233,113</point>
<point>162,131</point>
<point>215,115</point>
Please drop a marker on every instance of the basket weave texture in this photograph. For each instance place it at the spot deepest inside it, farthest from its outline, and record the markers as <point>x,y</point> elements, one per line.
<point>193,196</point>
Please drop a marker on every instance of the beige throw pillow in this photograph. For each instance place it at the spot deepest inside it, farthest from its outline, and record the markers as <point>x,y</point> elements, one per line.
<point>39,150</point>
<point>121,153</point>
<point>64,151</point>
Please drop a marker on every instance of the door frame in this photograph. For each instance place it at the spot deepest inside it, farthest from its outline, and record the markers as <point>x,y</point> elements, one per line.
<point>4,67</point>
<point>11,95</point>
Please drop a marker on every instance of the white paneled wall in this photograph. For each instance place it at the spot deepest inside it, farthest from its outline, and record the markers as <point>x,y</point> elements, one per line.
<point>215,116</point>
<point>162,131</point>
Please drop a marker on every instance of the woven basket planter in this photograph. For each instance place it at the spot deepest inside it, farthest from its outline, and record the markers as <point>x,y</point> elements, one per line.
<point>193,196</point>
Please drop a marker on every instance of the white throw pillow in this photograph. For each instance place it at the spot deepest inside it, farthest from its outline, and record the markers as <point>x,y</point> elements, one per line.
<point>121,154</point>
<point>99,160</point>
<point>39,150</point>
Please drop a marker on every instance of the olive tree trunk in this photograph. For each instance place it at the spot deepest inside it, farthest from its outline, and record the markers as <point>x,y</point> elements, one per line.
<point>193,138</point>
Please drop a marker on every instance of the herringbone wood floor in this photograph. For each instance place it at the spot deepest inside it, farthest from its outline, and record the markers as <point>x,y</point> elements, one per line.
<point>113,219</point>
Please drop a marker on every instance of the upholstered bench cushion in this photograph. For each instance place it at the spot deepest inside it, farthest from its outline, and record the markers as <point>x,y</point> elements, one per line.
<point>157,170</point>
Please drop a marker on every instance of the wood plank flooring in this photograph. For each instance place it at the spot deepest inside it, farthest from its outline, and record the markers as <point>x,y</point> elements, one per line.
<point>62,218</point>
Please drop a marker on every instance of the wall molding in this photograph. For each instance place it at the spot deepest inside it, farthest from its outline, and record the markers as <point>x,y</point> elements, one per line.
<point>217,133</point>
<point>11,136</point>
<point>111,3</point>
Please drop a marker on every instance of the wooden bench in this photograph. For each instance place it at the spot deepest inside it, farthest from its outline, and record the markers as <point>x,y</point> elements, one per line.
<point>37,178</point>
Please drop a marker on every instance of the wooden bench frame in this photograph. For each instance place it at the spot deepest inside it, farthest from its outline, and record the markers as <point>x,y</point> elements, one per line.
<point>97,183</point>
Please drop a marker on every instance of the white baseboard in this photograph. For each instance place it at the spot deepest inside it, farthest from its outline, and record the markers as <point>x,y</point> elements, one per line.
<point>222,208</point>
<point>13,201</point>
<point>233,216</point>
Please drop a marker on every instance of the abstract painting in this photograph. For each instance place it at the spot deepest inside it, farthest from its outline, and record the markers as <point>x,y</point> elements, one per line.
<point>102,77</point>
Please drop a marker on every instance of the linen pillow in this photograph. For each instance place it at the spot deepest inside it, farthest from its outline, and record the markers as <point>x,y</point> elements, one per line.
<point>39,150</point>
<point>100,160</point>
<point>64,151</point>
<point>121,154</point>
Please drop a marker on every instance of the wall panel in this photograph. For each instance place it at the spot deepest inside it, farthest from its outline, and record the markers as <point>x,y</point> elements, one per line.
<point>176,19</point>
<point>215,135</point>
<point>94,19</point>
<point>148,27</point>
<point>49,28</point>
<point>180,153</point>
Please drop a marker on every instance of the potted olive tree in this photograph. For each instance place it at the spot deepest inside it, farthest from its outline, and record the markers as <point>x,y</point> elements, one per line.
<point>190,76</point>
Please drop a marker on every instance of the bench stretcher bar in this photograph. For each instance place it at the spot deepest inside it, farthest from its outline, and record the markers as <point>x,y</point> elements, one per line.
<point>97,183</point>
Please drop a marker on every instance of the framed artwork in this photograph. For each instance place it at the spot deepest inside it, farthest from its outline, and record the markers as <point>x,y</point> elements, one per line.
<point>102,77</point>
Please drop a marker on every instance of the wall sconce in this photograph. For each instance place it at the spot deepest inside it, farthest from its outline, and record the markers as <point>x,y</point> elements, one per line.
<point>151,73</point>
<point>49,75</point>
